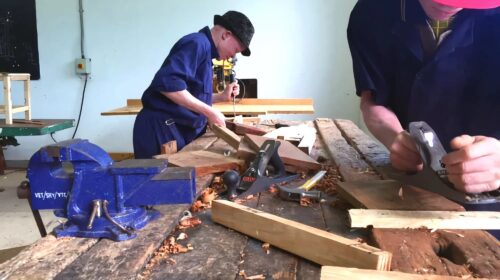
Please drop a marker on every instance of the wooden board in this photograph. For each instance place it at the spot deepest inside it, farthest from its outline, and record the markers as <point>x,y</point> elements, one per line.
<point>343,273</point>
<point>242,129</point>
<point>313,244</point>
<point>428,219</point>
<point>392,195</point>
<point>227,135</point>
<point>45,258</point>
<point>248,106</point>
<point>290,155</point>
<point>205,162</point>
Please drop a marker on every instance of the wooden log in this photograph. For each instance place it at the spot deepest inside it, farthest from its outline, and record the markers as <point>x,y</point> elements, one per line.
<point>313,244</point>
<point>343,273</point>
<point>227,135</point>
<point>360,218</point>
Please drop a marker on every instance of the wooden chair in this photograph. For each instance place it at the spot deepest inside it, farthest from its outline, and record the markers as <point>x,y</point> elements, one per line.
<point>8,109</point>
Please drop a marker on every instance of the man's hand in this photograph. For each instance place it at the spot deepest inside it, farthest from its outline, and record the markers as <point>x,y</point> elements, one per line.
<point>231,90</point>
<point>474,166</point>
<point>216,117</point>
<point>404,154</point>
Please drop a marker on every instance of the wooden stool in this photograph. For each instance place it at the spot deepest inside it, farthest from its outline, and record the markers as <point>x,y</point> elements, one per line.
<point>8,109</point>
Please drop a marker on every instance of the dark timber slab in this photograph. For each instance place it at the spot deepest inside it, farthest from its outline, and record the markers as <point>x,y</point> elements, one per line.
<point>216,254</point>
<point>419,250</point>
<point>45,258</point>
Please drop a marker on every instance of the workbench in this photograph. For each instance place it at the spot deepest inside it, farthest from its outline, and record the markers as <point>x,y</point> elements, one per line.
<point>30,128</point>
<point>222,253</point>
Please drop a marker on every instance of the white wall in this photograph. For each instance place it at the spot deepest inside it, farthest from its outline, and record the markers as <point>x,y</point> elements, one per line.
<point>299,50</point>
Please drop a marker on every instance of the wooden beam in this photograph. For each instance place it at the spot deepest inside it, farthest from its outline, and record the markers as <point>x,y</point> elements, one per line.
<point>344,273</point>
<point>242,129</point>
<point>247,106</point>
<point>227,135</point>
<point>360,218</point>
<point>308,242</point>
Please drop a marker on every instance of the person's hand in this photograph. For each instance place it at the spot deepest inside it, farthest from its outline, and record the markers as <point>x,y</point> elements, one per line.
<point>231,90</point>
<point>216,117</point>
<point>404,154</point>
<point>474,166</point>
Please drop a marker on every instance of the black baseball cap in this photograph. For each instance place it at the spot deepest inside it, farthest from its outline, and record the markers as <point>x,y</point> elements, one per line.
<point>239,25</point>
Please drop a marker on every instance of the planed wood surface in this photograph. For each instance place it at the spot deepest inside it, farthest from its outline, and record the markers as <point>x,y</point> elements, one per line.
<point>392,195</point>
<point>322,247</point>
<point>343,273</point>
<point>427,219</point>
<point>248,106</point>
<point>204,162</point>
<point>290,155</point>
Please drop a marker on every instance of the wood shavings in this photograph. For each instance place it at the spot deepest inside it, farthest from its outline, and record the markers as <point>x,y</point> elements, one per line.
<point>265,247</point>
<point>189,223</point>
<point>328,184</point>
<point>207,195</point>
<point>273,190</point>
<point>253,277</point>
<point>305,201</point>
<point>182,236</point>
<point>400,193</point>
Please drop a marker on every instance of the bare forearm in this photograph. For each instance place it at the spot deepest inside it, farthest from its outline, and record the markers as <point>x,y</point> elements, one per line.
<point>380,120</point>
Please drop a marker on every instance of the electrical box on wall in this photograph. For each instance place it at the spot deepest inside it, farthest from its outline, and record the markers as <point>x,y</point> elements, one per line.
<point>83,66</point>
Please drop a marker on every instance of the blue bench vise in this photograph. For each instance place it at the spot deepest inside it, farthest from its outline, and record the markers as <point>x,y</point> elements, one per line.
<point>101,198</point>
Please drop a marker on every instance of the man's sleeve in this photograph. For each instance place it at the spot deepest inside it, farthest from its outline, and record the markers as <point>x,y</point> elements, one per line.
<point>371,64</point>
<point>179,67</point>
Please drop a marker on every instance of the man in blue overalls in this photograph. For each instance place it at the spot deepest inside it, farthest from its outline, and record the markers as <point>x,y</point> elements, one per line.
<point>178,103</point>
<point>435,61</point>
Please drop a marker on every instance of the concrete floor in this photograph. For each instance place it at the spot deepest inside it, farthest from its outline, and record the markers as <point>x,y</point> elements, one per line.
<point>17,226</point>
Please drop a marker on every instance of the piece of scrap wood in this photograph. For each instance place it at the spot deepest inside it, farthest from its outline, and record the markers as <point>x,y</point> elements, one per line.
<point>347,273</point>
<point>308,242</point>
<point>227,135</point>
<point>205,162</point>
<point>360,218</point>
<point>392,195</point>
<point>242,129</point>
<point>169,148</point>
<point>290,154</point>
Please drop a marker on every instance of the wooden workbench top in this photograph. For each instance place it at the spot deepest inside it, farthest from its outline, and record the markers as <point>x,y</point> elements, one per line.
<point>221,253</point>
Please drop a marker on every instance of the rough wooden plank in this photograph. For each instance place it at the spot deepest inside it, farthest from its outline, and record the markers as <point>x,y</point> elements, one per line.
<point>343,273</point>
<point>374,152</point>
<point>45,258</point>
<point>428,219</point>
<point>205,162</point>
<point>276,263</point>
<point>124,260</point>
<point>242,129</point>
<point>230,137</point>
<point>323,247</point>
<point>348,160</point>
<point>392,195</point>
<point>215,255</point>
<point>290,155</point>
